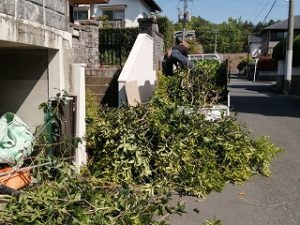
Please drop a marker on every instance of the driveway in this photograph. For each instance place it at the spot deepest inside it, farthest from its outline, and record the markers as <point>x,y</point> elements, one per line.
<point>273,200</point>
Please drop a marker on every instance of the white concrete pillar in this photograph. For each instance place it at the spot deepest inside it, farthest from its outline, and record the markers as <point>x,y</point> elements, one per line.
<point>281,68</point>
<point>78,80</point>
<point>56,73</point>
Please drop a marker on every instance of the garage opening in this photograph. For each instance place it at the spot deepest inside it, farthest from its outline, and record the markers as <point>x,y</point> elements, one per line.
<point>23,82</point>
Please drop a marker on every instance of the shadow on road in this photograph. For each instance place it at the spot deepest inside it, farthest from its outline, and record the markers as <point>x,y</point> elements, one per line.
<point>262,98</point>
<point>263,89</point>
<point>269,106</point>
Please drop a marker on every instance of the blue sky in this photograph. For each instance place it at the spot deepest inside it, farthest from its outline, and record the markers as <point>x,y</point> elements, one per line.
<point>218,11</point>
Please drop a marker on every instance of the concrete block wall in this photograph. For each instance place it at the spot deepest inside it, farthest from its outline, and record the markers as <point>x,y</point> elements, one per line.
<point>53,13</point>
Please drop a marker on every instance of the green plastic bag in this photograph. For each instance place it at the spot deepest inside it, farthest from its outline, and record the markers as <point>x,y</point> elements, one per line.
<point>16,140</point>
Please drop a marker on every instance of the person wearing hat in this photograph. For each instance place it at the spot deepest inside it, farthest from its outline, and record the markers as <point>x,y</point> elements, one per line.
<point>177,55</point>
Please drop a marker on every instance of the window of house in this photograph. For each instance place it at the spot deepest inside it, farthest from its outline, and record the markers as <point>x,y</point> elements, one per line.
<point>81,14</point>
<point>114,14</point>
<point>277,36</point>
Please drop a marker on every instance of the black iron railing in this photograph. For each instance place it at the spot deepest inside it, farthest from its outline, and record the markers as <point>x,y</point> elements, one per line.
<point>115,44</point>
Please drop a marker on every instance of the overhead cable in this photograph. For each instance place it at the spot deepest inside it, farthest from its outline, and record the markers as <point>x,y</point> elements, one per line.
<point>260,12</point>
<point>270,10</point>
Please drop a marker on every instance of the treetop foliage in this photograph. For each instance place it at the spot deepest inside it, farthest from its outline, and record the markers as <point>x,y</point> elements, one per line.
<point>230,36</point>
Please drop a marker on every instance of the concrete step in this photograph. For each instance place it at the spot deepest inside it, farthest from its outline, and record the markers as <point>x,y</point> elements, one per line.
<point>91,80</point>
<point>102,72</point>
<point>99,97</point>
<point>104,85</point>
<point>111,100</point>
<point>97,89</point>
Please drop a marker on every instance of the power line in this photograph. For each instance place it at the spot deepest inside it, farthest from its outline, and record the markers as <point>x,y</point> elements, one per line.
<point>270,10</point>
<point>260,12</point>
<point>253,13</point>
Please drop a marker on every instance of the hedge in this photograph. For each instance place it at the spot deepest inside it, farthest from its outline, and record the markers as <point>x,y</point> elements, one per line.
<point>279,51</point>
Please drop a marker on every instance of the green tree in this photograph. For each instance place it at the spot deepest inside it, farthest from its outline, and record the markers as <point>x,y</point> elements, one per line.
<point>231,36</point>
<point>206,37</point>
<point>260,26</point>
<point>166,28</point>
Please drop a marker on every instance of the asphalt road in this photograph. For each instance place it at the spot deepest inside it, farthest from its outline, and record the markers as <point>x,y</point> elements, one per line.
<point>273,200</point>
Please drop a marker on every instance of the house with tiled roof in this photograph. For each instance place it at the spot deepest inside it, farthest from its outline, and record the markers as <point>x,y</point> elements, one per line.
<point>271,35</point>
<point>119,13</point>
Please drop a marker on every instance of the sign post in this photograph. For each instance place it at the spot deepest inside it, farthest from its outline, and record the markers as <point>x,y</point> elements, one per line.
<point>255,55</point>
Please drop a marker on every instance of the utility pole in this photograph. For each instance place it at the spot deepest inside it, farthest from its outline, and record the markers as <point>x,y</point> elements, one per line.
<point>289,55</point>
<point>216,43</point>
<point>185,15</point>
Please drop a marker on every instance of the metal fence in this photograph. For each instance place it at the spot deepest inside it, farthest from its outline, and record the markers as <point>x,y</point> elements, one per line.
<point>115,45</point>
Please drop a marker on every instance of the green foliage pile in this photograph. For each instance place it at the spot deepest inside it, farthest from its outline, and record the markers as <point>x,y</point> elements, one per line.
<point>80,201</point>
<point>204,85</point>
<point>139,155</point>
<point>61,197</point>
<point>167,143</point>
<point>157,143</point>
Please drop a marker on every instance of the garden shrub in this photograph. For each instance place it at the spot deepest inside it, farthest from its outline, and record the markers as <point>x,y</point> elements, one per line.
<point>267,64</point>
<point>242,64</point>
<point>296,51</point>
<point>279,51</point>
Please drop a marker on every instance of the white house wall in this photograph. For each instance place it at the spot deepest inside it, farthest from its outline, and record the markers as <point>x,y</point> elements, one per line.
<point>133,11</point>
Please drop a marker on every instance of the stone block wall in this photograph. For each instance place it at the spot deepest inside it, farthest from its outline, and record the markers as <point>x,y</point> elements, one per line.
<point>85,43</point>
<point>158,51</point>
<point>7,7</point>
<point>53,13</point>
